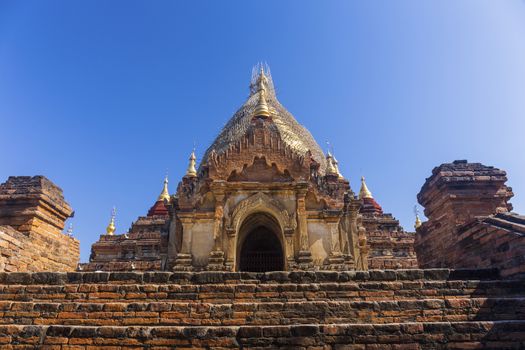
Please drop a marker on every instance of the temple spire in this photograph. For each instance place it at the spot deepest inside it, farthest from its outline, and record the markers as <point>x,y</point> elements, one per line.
<point>364,192</point>
<point>261,109</point>
<point>165,194</point>
<point>330,168</point>
<point>336,166</point>
<point>192,171</point>
<point>110,230</point>
<point>418,222</point>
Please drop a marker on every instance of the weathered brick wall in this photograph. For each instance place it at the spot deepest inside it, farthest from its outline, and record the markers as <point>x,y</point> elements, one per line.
<point>496,241</point>
<point>34,252</point>
<point>397,336</point>
<point>391,250</point>
<point>32,216</point>
<point>390,247</point>
<point>139,265</point>
<point>390,309</point>
<point>143,248</point>
<point>469,224</point>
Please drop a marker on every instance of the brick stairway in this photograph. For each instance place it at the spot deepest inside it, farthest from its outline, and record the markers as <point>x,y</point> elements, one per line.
<point>378,309</point>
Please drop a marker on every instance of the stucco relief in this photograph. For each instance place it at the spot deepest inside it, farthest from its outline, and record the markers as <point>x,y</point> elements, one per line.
<point>261,202</point>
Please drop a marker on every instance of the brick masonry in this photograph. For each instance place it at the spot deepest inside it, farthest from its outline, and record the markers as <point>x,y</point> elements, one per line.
<point>376,309</point>
<point>469,220</point>
<point>391,247</point>
<point>143,248</point>
<point>32,216</point>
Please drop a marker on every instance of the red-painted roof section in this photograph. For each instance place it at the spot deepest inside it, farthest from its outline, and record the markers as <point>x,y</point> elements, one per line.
<point>370,206</point>
<point>158,209</point>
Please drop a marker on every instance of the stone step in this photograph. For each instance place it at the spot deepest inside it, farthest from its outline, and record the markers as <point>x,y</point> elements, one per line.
<point>424,335</point>
<point>160,277</point>
<point>267,292</point>
<point>275,313</point>
<point>105,287</point>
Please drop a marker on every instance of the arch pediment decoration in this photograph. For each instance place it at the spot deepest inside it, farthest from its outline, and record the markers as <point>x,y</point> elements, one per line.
<point>260,171</point>
<point>261,202</point>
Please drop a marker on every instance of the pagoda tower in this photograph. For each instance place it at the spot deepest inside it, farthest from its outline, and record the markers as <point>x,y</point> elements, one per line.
<point>264,197</point>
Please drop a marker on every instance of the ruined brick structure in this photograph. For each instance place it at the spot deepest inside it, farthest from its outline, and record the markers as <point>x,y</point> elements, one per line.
<point>469,220</point>
<point>32,216</point>
<point>390,247</point>
<point>143,247</point>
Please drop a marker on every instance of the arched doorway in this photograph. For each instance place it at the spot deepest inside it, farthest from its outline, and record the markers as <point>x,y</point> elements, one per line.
<point>261,249</point>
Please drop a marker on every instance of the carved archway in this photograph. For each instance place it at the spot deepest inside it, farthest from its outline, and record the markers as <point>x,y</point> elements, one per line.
<point>261,202</point>
<point>270,213</point>
<point>260,244</point>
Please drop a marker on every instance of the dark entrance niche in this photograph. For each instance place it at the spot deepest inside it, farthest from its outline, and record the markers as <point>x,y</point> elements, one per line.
<point>261,252</point>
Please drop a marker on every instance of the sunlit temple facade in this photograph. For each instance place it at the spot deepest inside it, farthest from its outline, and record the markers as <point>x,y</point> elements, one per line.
<point>264,197</point>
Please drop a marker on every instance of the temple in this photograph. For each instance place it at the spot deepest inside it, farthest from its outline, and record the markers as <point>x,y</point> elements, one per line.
<point>265,244</point>
<point>264,197</point>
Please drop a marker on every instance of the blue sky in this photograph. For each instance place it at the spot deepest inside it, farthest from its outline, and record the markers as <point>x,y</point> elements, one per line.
<point>104,97</point>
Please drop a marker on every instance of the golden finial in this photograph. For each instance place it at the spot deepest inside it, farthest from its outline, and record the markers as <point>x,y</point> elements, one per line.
<point>332,165</point>
<point>330,168</point>
<point>336,167</point>
<point>110,230</point>
<point>164,195</point>
<point>261,109</point>
<point>364,192</point>
<point>418,222</point>
<point>191,171</point>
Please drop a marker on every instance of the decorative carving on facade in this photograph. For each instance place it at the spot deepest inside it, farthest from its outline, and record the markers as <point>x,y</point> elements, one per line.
<point>260,202</point>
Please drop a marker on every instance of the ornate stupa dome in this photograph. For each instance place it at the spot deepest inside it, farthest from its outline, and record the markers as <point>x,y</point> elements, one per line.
<point>263,102</point>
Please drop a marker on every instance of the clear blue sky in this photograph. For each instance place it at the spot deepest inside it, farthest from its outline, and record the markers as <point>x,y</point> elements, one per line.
<point>103,96</point>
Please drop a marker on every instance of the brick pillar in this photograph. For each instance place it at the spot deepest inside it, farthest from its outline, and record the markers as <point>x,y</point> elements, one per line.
<point>36,209</point>
<point>33,204</point>
<point>453,195</point>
